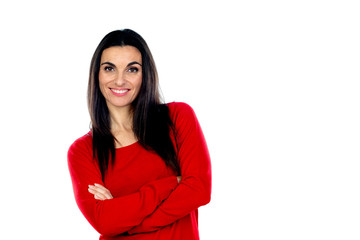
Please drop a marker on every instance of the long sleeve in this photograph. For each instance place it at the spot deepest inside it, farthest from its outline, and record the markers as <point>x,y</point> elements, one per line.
<point>194,189</point>
<point>118,215</point>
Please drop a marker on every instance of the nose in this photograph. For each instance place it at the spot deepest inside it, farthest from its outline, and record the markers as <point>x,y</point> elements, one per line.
<point>120,79</point>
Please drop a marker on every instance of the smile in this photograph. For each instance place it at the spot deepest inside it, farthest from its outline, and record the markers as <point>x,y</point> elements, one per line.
<point>119,91</point>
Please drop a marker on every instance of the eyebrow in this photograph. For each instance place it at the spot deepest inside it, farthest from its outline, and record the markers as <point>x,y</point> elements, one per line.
<point>111,64</point>
<point>134,62</point>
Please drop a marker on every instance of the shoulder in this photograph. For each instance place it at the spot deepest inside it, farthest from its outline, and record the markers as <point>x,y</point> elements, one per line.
<point>80,157</point>
<point>182,115</point>
<point>180,110</point>
<point>83,143</point>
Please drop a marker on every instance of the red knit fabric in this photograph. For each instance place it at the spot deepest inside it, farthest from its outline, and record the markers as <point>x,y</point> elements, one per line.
<point>148,202</point>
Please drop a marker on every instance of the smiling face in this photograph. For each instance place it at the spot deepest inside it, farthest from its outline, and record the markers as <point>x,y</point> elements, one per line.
<point>120,75</point>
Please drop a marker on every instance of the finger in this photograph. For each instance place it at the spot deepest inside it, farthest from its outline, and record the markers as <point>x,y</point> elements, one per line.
<point>100,191</point>
<point>97,195</point>
<point>99,186</point>
<point>103,190</point>
<point>99,198</point>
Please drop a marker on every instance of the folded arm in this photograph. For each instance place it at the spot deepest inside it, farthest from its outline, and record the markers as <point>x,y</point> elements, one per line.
<point>113,216</point>
<point>194,190</point>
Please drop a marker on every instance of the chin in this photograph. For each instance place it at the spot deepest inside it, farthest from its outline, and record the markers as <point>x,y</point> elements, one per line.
<point>119,104</point>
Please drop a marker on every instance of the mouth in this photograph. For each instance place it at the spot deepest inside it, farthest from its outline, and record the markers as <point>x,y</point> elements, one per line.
<point>119,91</point>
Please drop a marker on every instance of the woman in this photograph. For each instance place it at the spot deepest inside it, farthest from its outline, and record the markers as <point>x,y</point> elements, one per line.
<point>144,168</point>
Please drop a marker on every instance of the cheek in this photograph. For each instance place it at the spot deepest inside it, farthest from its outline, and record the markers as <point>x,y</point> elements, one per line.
<point>138,84</point>
<point>102,85</point>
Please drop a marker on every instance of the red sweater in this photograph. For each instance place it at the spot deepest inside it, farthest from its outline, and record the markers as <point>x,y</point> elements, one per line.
<point>148,202</point>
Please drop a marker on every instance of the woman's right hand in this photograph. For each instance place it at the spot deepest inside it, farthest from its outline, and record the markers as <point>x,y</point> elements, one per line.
<point>179,178</point>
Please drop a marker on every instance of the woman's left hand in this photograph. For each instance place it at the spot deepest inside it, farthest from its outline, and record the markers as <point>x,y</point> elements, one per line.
<point>100,192</point>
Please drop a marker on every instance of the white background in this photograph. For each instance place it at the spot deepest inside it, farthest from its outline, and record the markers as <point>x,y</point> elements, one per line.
<point>275,85</point>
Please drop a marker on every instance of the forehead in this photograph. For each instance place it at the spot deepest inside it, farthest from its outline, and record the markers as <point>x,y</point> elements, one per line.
<point>121,54</point>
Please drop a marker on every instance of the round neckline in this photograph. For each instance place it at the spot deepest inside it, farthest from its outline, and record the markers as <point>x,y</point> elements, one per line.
<point>130,146</point>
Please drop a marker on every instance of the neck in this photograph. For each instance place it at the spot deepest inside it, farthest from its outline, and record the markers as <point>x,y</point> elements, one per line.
<point>121,119</point>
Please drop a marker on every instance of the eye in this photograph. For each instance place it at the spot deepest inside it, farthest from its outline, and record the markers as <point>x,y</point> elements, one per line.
<point>133,70</point>
<point>109,69</point>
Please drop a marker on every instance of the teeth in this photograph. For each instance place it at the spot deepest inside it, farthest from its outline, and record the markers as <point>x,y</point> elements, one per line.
<point>119,91</point>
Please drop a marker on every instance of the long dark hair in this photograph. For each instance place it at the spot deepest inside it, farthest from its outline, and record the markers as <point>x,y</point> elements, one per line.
<point>151,122</point>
